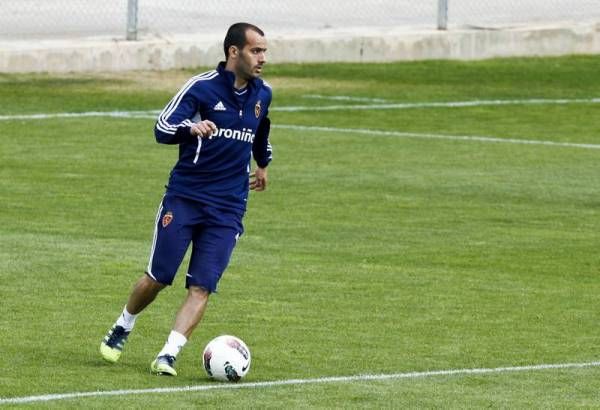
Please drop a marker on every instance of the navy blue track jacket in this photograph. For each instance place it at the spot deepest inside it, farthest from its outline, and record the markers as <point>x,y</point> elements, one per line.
<point>215,170</point>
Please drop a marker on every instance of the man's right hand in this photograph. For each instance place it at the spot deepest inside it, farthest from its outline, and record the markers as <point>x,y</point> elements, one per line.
<point>203,129</point>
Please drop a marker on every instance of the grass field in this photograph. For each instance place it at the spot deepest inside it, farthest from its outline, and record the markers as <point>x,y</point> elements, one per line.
<point>370,252</point>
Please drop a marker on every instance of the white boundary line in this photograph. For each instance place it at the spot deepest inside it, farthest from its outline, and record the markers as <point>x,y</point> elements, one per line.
<point>435,136</point>
<point>449,104</point>
<point>152,114</point>
<point>295,382</point>
<point>344,98</point>
<point>118,114</point>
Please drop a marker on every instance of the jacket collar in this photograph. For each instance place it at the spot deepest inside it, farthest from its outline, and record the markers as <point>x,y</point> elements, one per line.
<point>229,77</point>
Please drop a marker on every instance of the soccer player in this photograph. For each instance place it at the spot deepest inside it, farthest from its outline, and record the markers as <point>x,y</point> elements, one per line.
<point>219,119</point>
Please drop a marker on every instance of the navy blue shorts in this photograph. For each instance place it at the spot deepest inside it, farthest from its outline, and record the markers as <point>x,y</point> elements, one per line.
<point>213,234</point>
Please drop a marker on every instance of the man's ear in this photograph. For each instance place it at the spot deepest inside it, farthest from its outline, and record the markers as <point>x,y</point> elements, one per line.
<point>233,51</point>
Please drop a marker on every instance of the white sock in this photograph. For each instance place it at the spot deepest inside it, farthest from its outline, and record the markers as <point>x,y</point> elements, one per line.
<point>127,320</point>
<point>175,343</point>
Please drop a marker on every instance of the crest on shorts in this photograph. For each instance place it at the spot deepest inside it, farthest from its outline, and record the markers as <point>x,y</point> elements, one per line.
<point>167,218</point>
<point>257,109</point>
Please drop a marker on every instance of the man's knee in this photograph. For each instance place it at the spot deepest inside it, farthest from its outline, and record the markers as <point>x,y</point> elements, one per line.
<point>198,292</point>
<point>151,284</point>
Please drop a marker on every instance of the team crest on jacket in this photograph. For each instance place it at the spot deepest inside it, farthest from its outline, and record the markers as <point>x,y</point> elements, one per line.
<point>257,109</point>
<point>167,218</point>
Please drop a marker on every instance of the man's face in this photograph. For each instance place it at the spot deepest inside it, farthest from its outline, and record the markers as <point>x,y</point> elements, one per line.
<point>252,56</point>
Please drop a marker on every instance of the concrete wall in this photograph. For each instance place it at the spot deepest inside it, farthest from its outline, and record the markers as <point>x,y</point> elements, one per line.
<point>356,46</point>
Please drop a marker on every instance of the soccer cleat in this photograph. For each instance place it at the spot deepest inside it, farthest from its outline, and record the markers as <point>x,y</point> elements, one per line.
<point>164,365</point>
<point>112,345</point>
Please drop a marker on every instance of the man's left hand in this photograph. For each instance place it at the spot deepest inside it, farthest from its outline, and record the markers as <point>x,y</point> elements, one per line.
<point>258,179</point>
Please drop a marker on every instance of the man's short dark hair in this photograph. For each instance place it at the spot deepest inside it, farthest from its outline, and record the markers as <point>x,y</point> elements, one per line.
<point>236,36</point>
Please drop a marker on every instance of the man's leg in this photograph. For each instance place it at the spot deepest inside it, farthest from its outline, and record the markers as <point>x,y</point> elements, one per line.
<point>213,244</point>
<point>172,236</point>
<point>191,311</point>
<point>143,293</point>
<point>189,315</point>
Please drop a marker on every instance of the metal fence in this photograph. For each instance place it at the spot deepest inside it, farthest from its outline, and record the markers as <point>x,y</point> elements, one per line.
<point>138,19</point>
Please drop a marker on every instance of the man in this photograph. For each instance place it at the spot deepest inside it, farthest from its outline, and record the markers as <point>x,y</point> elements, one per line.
<point>219,118</point>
